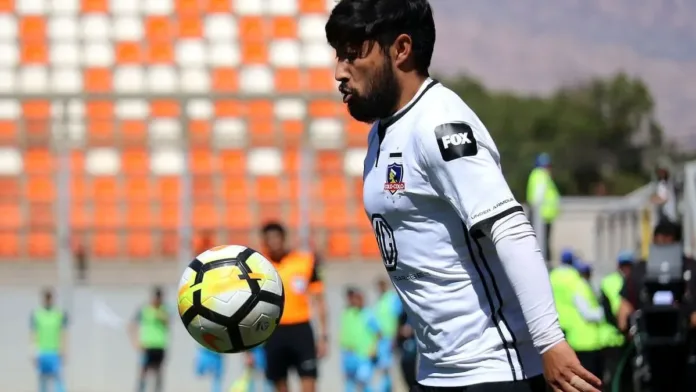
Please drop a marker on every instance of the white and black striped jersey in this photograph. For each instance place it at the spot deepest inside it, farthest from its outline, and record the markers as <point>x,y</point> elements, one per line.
<point>441,211</point>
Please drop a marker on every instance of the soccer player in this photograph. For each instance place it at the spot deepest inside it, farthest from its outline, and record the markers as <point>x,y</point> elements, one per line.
<point>48,332</point>
<point>457,245</point>
<point>348,358</point>
<point>210,363</point>
<point>150,334</point>
<point>406,345</point>
<point>387,309</point>
<point>293,344</point>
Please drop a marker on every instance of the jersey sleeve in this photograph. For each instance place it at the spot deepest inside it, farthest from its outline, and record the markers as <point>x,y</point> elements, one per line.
<point>316,283</point>
<point>463,171</point>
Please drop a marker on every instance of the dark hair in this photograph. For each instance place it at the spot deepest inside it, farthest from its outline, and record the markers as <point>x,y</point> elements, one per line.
<point>669,229</point>
<point>352,22</point>
<point>157,292</point>
<point>273,226</point>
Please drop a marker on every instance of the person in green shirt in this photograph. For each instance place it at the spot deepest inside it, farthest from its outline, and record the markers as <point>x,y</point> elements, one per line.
<point>48,326</point>
<point>359,337</point>
<point>387,310</point>
<point>543,199</point>
<point>150,335</point>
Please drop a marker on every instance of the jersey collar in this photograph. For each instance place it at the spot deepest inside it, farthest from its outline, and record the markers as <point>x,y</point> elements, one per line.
<point>388,121</point>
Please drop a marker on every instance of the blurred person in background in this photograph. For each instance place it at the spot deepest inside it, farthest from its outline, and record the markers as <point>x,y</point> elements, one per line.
<point>406,347</point>
<point>665,196</point>
<point>360,335</point>
<point>387,309</point>
<point>293,345</point>
<point>563,277</point>
<point>583,334</point>
<point>632,299</point>
<point>81,262</point>
<point>212,364</point>
<point>257,370</point>
<point>149,334</point>
<point>48,326</point>
<point>613,341</point>
<point>543,199</point>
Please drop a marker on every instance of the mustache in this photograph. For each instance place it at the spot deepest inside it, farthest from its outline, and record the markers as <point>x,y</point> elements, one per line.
<point>343,89</point>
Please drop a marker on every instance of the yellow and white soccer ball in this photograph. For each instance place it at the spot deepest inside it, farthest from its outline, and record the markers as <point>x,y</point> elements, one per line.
<point>231,298</point>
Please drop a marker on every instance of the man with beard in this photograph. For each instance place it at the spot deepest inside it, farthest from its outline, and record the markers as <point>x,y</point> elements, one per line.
<point>459,249</point>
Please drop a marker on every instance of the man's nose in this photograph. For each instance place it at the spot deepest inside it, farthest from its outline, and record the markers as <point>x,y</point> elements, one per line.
<point>341,72</point>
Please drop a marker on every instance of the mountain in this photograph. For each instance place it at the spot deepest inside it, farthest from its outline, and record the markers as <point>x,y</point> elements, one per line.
<point>534,46</point>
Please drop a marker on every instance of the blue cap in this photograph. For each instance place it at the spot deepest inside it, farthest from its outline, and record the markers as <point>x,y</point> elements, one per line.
<point>626,257</point>
<point>582,267</point>
<point>543,159</point>
<point>567,257</point>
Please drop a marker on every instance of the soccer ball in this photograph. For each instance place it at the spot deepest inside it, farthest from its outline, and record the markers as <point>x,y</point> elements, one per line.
<point>231,299</point>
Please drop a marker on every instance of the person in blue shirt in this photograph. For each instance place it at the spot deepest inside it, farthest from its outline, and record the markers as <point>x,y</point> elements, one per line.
<point>48,326</point>
<point>257,368</point>
<point>360,336</point>
<point>210,363</point>
<point>406,346</point>
<point>387,311</point>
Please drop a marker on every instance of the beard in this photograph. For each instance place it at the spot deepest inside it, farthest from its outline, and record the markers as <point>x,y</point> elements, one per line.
<point>380,98</point>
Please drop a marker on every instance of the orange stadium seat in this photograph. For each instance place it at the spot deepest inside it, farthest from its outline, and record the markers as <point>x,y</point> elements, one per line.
<point>291,161</point>
<point>159,29</point>
<point>199,133</point>
<point>9,244</point>
<point>232,162</point>
<point>32,28</point>
<point>165,108</point>
<point>205,216</point>
<point>137,189</point>
<point>10,189</point>
<point>36,109</point>
<point>133,132</point>
<point>40,216</point>
<point>107,215</point>
<point>100,110</point>
<point>288,80</point>
<point>228,108</point>
<point>225,79</point>
<point>215,6</point>
<point>79,188</point>
<point>328,162</point>
<point>356,133</point>
<point>77,163</point>
<point>80,216</point>
<point>331,188</point>
<point>252,28</point>
<point>168,216</point>
<point>139,244</point>
<point>190,26</point>
<point>34,52</point>
<point>315,215</point>
<point>203,188</point>
<point>284,27</point>
<point>139,216</point>
<point>312,6</point>
<point>338,244</point>
<point>356,189</point>
<point>100,132</point>
<point>292,131</point>
<point>188,7</point>
<point>368,245</point>
<point>11,216</point>
<point>338,215</point>
<point>106,188</point>
<point>8,133</point>
<point>129,52</point>
<point>167,189</point>
<point>235,189</point>
<point>106,244</point>
<point>268,189</point>
<point>100,6</point>
<point>325,108</point>
<point>97,80</point>
<point>202,161</point>
<point>160,52</point>
<point>135,161</point>
<point>169,243</point>
<point>41,244</point>
<point>321,80</point>
<point>262,132</point>
<point>40,189</point>
<point>238,216</point>
<point>270,212</point>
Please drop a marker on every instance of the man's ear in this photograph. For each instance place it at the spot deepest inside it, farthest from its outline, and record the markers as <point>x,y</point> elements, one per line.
<point>401,49</point>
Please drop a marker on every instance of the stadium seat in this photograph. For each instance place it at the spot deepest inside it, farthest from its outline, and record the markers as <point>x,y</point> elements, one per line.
<point>81,218</point>
<point>10,189</point>
<point>203,189</point>
<point>232,162</point>
<point>135,161</point>
<point>205,216</point>
<point>9,244</point>
<point>106,188</point>
<point>168,216</point>
<point>137,189</point>
<point>8,132</point>
<point>139,216</point>
<point>200,134</point>
<point>338,215</point>
<point>269,189</point>
<point>338,244</point>
<point>40,189</point>
<point>11,216</point>
<point>238,216</point>
<point>133,132</point>
<point>202,161</point>
<point>331,188</point>
<point>139,244</point>
<point>292,131</point>
<point>368,245</point>
<point>40,216</point>
<point>107,215</point>
<point>169,244</point>
<point>272,211</point>
<point>106,244</point>
<point>235,189</point>
<point>41,244</point>
<point>167,189</point>
<point>329,163</point>
<point>38,161</point>
<point>80,189</point>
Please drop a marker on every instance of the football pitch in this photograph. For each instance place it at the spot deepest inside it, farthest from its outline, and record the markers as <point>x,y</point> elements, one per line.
<point>100,357</point>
